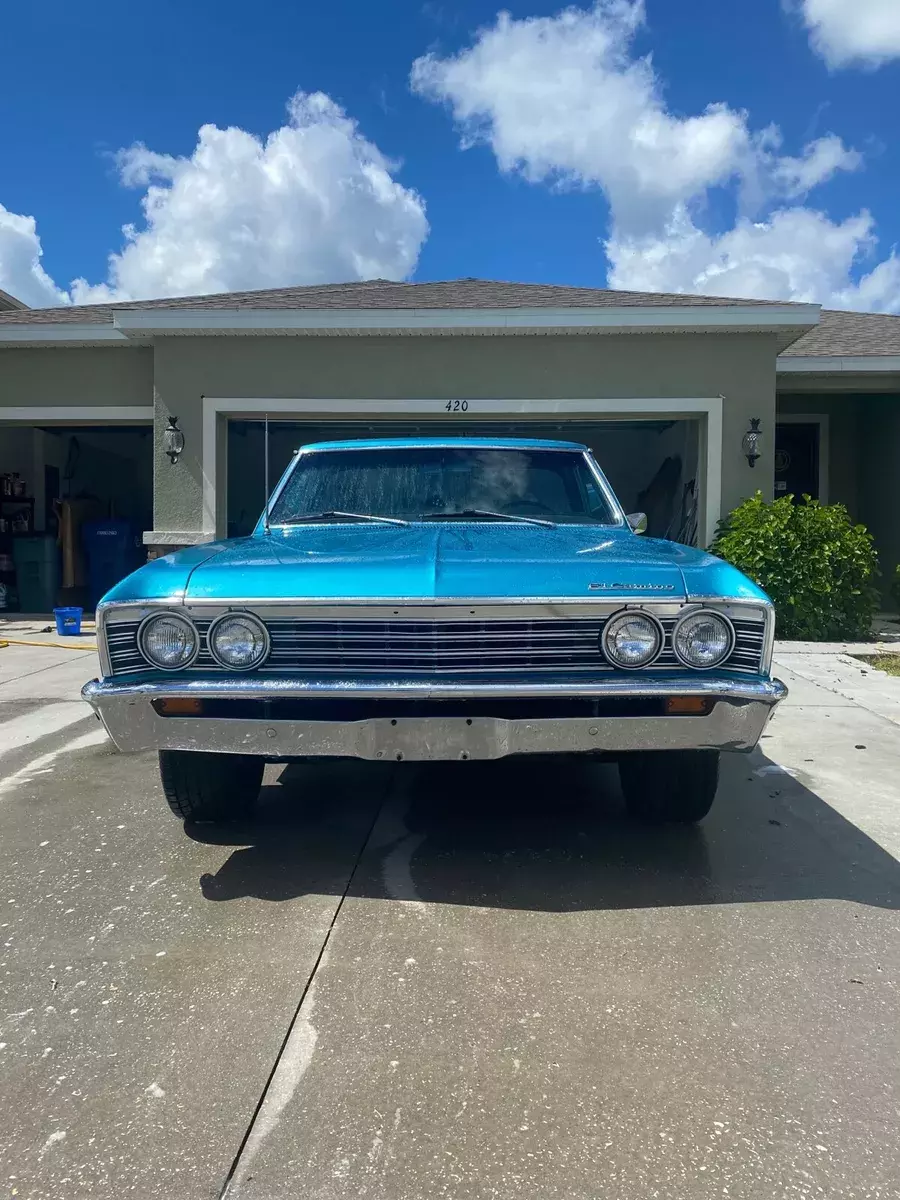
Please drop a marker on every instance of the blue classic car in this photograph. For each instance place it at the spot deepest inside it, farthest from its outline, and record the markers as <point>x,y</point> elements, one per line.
<point>437,599</point>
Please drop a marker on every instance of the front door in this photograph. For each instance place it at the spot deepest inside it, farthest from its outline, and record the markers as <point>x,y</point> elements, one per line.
<point>797,460</point>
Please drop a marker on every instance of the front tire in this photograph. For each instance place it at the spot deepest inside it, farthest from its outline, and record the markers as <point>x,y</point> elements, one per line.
<point>210,788</point>
<point>669,786</point>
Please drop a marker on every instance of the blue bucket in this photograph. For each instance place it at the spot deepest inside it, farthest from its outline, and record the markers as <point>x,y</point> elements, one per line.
<point>68,621</point>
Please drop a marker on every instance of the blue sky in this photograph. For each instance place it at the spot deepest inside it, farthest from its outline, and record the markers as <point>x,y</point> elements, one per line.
<point>573,172</point>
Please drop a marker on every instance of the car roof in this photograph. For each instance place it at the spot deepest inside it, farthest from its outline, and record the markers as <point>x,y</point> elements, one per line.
<point>420,443</point>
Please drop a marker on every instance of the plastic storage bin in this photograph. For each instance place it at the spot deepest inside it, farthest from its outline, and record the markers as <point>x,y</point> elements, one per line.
<point>111,555</point>
<point>68,621</point>
<point>37,573</point>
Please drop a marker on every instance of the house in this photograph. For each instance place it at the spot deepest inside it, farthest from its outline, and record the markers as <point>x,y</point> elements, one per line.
<point>663,387</point>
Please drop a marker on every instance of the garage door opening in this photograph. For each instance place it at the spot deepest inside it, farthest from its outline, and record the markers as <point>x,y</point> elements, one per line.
<point>652,465</point>
<point>81,497</point>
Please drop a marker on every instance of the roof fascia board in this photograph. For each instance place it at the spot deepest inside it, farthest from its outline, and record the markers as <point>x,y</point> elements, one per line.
<point>733,317</point>
<point>826,364</point>
<point>60,333</point>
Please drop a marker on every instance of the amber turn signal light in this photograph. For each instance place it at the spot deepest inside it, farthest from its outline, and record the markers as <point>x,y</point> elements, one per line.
<point>688,706</point>
<point>178,706</point>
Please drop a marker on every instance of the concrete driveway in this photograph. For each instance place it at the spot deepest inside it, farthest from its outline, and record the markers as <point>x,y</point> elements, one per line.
<point>473,982</point>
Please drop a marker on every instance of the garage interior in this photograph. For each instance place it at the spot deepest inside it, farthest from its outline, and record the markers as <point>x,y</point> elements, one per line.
<point>652,465</point>
<point>75,502</point>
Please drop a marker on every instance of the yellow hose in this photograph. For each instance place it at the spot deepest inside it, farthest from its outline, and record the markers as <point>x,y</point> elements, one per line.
<point>52,645</point>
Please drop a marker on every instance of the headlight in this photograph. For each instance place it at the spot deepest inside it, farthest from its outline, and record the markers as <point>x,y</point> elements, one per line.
<point>238,641</point>
<point>703,640</point>
<point>632,640</point>
<point>168,641</point>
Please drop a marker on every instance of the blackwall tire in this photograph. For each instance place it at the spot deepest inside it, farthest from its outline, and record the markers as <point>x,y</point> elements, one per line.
<point>670,786</point>
<point>210,788</point>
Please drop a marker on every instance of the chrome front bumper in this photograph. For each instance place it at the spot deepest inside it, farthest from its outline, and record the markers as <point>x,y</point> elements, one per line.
<point>738,716</point>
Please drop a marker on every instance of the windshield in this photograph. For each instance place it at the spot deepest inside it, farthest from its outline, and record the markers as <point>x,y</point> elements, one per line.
<point>433,483</point>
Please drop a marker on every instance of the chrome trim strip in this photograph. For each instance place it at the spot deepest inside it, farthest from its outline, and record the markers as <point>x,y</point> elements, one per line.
<point>608,494</point>
<point>258,688</point>
<point>460,443</point>
<point>768,653</point>
<point>550,603</point>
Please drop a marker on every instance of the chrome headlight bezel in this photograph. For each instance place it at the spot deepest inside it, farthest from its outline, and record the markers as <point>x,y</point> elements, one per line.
<point>691,616</point>
<point>179,618</point>
<point>631,614</point>
<point>251,619</point>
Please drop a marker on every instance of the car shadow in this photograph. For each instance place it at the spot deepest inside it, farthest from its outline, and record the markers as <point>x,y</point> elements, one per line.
<point>543,834</point>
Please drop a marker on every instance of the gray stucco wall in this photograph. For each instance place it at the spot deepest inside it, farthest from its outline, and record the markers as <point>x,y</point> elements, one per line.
<point>76,377</point>
<point>739,367</point>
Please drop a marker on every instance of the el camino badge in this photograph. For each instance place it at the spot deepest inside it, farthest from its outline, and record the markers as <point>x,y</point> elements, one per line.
<point>631,587</point>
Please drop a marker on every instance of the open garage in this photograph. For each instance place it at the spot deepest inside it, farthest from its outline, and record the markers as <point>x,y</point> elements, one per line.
<point>653,465</point>
<point>76,498</point>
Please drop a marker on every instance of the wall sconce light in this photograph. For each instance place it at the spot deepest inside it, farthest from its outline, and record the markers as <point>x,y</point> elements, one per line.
<point>751,440</point>
<point>173,440</point>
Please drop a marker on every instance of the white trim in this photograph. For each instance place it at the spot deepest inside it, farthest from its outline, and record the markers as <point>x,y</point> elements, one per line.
<point>641,409</point>
<point>689,317</point>
<point>65,414</point>
<point>68,332</point>
<point>822,420</point>
<point>824,364</point>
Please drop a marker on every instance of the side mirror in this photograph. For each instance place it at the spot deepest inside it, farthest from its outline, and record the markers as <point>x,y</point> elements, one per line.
<point>638,522</point>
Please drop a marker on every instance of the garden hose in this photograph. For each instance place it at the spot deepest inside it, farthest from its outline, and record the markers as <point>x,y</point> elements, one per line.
<point>52,645</point>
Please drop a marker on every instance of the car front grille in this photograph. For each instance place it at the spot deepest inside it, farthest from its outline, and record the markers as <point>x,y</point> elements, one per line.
<point>354,647</point>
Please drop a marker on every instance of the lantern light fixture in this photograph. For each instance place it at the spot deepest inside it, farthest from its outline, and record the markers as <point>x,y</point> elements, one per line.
<point>173,440</point>
<point>750,442</point>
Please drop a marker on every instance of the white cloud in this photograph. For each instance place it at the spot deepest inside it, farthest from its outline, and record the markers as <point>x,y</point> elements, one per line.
<point>563,100</point>
<point>559,99</point>
<point>313,202</point>
<point>819,161</point>
<point>852,32</point>
<point>21,273</point>
<point>796,254</point>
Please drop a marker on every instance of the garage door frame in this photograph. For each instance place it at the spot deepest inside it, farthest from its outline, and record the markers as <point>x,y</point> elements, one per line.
<point>218,409</point>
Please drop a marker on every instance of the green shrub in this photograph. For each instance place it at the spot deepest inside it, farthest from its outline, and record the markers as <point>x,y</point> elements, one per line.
<point>818,567</point>
<point>895,587</point>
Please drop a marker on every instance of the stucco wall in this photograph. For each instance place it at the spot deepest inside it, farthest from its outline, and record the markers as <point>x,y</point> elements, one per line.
<point>76,377</point>
<point>740,367</point>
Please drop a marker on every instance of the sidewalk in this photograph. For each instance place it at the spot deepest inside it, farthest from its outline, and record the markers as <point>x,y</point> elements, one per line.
<point>835,667</point>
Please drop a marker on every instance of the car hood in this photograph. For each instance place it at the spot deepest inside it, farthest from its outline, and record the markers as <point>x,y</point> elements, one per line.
<point>440,561</point>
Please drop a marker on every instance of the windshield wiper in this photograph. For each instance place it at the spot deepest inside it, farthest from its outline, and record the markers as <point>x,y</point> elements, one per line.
<point>492,516</point>
<point>335,514</point>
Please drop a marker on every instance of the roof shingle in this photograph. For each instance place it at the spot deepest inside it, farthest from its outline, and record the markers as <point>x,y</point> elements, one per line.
<point>840,334</point>
<point>383,294</point>
<point>849,334</point>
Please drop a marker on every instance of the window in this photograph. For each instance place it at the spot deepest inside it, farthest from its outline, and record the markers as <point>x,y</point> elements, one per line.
<point>430,482</point>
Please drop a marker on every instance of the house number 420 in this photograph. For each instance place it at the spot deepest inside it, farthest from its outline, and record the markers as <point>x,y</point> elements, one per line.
<point>456,406</point>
